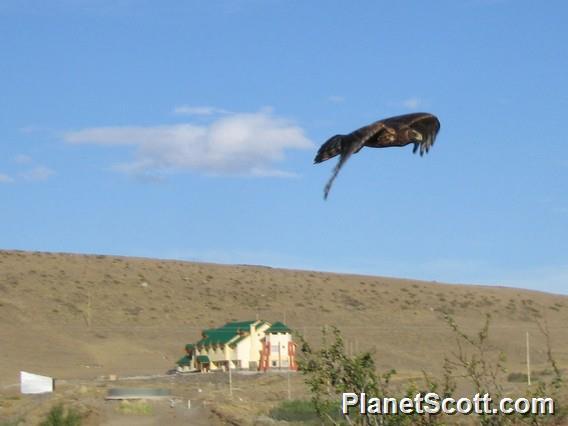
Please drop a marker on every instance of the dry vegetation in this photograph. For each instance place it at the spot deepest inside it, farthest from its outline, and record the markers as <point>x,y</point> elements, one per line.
<point>80,317</point>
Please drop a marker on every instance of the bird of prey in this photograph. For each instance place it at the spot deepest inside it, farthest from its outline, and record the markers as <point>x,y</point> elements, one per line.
<point>419,128</point>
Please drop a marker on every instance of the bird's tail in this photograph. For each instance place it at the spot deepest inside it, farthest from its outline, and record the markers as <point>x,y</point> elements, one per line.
<point>336,169</point>
<point>329,149</point>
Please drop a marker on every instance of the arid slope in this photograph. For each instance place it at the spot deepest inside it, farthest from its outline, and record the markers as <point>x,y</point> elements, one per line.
<point>74,316</point>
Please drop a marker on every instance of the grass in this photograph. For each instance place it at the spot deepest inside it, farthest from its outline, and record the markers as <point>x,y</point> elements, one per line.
<point>14,422</point>
<point>137,408</point>
<point>300,411</point>
<point>518,377</point>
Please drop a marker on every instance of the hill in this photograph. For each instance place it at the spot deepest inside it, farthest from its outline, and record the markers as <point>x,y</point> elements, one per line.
<point>81,316</point>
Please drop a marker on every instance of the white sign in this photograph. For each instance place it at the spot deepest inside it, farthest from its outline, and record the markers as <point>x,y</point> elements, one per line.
<point>34,383</point>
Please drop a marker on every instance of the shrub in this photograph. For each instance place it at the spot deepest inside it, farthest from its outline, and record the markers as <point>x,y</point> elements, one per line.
<point>300,411</point>
<point>329,372</point>
<point>58,416</point>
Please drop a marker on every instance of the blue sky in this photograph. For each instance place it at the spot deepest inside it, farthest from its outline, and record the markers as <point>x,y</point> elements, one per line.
<point>187,130</point>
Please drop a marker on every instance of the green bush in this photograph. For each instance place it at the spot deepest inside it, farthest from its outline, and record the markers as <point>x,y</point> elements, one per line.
<point>58,416</point>
<point>517,377</point>
<point>296,411</point>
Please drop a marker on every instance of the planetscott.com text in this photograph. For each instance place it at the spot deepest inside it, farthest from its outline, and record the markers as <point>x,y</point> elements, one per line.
<point>432,403</point>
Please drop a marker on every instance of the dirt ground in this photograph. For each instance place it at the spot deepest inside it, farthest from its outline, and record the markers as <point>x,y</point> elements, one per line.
<point>211,400</point>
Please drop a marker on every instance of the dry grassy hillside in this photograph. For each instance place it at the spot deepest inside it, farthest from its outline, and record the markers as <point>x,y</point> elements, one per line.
<point>76,316</point>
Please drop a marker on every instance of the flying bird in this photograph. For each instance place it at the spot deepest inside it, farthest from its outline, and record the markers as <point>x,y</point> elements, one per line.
<point>419,128</point>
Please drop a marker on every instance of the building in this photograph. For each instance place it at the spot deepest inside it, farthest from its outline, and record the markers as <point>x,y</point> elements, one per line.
<point>252,345</point>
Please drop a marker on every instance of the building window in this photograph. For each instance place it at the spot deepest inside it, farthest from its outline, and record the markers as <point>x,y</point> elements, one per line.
<point>275,348</point>
<point>274,363</point>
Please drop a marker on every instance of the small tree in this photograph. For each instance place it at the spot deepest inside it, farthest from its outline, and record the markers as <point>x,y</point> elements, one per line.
<point>475,362</point>
<point>330,372</point>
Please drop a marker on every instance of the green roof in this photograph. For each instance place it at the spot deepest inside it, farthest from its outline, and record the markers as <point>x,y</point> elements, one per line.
<point>216,337</point>
<point>239,324</point>
<point>279,327</point>
<point>184,360</point>
<point>189,347</point>
<point>244,325</point>
<point>203,359</point>
<point>230,333</point>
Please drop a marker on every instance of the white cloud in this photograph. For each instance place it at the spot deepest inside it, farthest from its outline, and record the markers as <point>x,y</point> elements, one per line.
<point>23,159</point>
<point>38,173</point>
<point>335,99</point>
<point>412,103</point>
<point>30,129</point>
<point>239,144</point>
<point>199,110</point>
<point>5,178</point>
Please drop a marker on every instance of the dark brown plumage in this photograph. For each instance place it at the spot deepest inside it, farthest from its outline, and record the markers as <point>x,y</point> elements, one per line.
<point>419,128</point>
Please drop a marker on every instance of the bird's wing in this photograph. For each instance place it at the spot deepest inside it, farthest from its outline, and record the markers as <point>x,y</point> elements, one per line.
<point>329,148</point>
<point>345,146</point>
